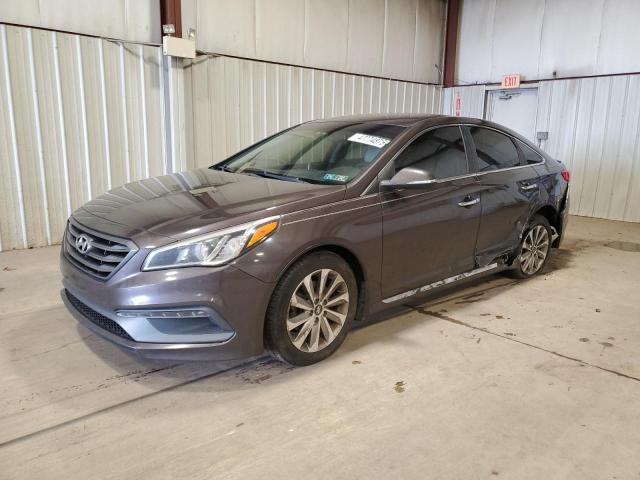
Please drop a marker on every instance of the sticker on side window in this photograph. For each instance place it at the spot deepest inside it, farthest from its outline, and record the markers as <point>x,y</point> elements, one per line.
<point>372,140</point>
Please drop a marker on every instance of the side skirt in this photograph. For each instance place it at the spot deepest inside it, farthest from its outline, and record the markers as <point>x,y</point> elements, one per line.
<point>441,283</point>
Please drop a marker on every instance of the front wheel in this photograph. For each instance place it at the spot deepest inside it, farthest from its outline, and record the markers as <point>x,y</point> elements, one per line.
<point>534,248</point>
<point>311,309</point>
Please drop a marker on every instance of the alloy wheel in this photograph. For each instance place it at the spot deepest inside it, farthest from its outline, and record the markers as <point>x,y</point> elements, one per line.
<point>535,248</point>
<point>317,310</point>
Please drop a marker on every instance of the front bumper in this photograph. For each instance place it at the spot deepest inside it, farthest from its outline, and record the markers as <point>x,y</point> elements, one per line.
<point>235,301</point>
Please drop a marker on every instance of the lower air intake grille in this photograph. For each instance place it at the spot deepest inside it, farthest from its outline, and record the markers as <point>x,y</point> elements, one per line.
<point>97,318</point>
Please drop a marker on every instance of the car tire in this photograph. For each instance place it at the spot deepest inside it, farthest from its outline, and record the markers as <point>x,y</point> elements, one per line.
<point>534,249</point>
<point>311,309</point>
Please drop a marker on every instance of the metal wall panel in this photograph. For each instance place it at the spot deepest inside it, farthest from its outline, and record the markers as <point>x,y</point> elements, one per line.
<point>471,100</point>
<point>389,38</point>
<point>235,103</point>
<point>133,20</point>
<point>547,39</point>
<point>594,128</point>
<point>77,116</point>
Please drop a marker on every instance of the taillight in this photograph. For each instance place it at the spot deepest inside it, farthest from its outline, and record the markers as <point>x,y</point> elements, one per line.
<point>566,175</point>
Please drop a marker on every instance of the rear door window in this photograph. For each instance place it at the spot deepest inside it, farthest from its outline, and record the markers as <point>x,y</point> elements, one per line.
<point>494,150</point>
<point>438,152</point>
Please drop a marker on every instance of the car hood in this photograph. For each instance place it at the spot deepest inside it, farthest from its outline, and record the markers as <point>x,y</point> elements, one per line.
<point>185,204</point>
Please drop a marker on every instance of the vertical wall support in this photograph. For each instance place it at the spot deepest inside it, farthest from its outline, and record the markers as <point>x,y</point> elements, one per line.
<point>169,98</point>
<point>171,13</point>
<point>451,43</point>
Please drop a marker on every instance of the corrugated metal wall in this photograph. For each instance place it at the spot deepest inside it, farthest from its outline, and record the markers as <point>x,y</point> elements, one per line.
<point>132,20</point>
<point>80,114</point>
<point>77,116</point>
<point>238,102</point>
<point>399,39</point>
<point>594,127</point>
<point>471,100</point>
<point>542,39</point>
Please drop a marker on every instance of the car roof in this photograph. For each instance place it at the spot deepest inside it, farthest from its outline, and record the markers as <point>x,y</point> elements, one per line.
<point>402,119</point>
<point>422,120</point>
<point>408,119</point>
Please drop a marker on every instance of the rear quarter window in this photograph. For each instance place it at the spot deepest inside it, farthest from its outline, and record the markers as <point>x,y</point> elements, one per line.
<point>530,155</point>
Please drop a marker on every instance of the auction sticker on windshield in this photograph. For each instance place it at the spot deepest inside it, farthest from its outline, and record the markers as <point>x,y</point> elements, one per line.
<point>335,177</point>
<point>372,140</point>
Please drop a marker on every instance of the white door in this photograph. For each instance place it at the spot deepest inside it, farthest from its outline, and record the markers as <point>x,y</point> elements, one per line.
<point>515,109</point>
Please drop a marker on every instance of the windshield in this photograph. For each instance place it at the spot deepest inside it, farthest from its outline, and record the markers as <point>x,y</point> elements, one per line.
<point>317,152</point>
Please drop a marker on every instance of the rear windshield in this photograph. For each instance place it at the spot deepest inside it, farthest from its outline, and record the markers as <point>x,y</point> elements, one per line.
<point>317,152</point>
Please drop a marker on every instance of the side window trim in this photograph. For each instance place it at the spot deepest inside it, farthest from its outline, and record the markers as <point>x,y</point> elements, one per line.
<point>470,152</point>
<point>521,157</point>
<point>466,150</point>
<point>523,161</point>
<point>470,148</point>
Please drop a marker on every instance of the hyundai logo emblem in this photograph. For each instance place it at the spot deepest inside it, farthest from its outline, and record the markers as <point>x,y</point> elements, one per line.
<point>83,243</point>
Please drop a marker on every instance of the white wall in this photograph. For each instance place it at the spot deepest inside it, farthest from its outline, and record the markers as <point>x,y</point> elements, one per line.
<point>399,39</point>
<point>232,103</point>
<point>594,128</point>
<point>78,116</point>
<point>471,98</point>
<point>542,39</point>
<point>132,20</point>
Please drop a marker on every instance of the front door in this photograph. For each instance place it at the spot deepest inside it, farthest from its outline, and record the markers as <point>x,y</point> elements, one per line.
<point>515,109</point>
<point>430,234</point>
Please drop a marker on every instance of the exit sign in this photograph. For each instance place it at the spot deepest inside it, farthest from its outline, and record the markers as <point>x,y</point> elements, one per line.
<point>511,81</point>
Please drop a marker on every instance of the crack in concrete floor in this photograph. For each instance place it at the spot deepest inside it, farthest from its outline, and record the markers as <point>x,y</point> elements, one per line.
<point>126,402</point>
<point>450,319</point>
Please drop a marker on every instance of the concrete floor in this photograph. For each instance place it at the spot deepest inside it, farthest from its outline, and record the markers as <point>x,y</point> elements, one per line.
<point>537,379</point>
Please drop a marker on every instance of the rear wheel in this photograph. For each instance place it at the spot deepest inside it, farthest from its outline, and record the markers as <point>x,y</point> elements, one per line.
<point>311,309</point>
<point>534,248</point>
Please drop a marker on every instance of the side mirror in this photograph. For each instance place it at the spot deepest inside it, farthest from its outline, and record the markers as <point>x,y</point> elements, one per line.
<point>408,178</point>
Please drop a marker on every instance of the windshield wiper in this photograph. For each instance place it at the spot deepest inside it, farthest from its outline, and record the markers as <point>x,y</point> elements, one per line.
<point>276,176</point>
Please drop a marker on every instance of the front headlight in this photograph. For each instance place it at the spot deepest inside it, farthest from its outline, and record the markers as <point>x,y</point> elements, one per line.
<point>212,249</point>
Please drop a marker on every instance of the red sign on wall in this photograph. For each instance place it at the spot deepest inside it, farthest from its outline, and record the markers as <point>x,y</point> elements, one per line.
<point>511,81</point>
<point>458,104</point>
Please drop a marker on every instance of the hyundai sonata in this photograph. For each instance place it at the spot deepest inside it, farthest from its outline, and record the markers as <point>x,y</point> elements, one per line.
<point>286,244</point>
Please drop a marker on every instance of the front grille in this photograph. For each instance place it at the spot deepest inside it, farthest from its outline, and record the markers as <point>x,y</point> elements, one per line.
<point>104,255</point>
<point>97,318</point>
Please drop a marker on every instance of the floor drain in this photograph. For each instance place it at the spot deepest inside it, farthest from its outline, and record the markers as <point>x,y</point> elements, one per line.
<point>624,246</point>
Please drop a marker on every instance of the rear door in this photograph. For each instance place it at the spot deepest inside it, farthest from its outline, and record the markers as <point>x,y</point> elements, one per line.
<point>430,234</point>
<point>509,189</point>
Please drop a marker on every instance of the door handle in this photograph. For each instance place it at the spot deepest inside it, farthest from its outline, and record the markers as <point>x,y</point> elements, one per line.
<point>468,203</point>
<point>528,186</point>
